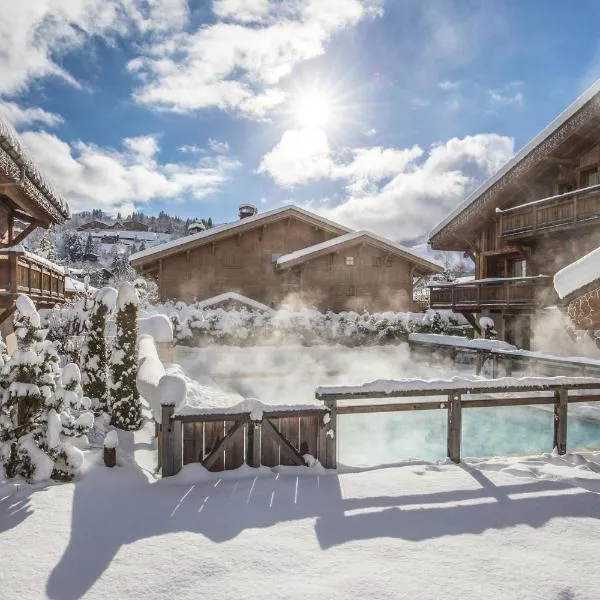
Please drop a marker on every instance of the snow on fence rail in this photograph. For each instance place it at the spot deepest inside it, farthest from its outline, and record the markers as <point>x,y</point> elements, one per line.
<point>545,390</point>
<point>510,356</point>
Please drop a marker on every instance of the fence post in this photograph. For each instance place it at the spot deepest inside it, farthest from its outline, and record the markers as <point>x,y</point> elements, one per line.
<point>253,444</point>
<point>561,404</point>
<point>331,436</point>
<point>454,427</point>
<point>168,440</point>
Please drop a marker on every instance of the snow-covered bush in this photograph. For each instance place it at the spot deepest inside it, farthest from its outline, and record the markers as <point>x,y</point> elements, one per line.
<point>195,325</point>
<point>36,415</point>
<point>95,356</point>
<point>126,410</point>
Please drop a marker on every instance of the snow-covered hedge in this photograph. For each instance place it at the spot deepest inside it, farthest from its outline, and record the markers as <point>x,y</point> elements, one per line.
<point>194,325</point>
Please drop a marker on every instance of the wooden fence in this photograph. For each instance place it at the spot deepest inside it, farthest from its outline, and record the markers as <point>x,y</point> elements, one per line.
<point>227,441</point>
<point>457,398</point>
<point>509,361</point>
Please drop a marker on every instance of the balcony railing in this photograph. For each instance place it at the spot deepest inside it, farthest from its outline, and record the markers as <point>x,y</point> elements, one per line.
<point>24,273</point>
<point>515,293</point>
<point>568,210</point>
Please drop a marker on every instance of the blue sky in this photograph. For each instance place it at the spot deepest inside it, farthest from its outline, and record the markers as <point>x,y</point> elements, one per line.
<point>379,114</point>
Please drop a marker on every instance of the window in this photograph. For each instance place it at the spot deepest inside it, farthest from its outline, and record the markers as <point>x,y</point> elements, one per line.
<point>565,187</point>
<point>350,291</point>
<point>589,177</point>
<point>377,261</point>
<point>388,261</point>
<point>275,256</point>
<point>349,261</point>
<point>519,268</point>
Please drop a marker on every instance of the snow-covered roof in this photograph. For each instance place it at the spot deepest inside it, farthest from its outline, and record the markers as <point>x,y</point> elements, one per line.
<point>519,156</point>
<point>31,181</point>
<point>76,287</point>
<point>234,297</point>
<point>407,387</point>
<point>578,274</point>
<point>227,227</point>
<point>310,251</point>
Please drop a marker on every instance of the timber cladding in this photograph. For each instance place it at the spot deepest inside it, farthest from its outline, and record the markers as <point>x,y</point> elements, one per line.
<point>360,274</point>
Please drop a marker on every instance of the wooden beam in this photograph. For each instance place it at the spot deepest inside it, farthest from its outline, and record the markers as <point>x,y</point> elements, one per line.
<point>253,448</point>
<point>454,427</point>
<point>7,313</point>
<point>561,406</point>
<point>21,236</point>
<point>225,444</point>
<point>285,446</point>
<point>331,436</point>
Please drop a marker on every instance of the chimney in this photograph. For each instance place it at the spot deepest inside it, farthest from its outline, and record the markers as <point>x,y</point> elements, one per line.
<point>247,210</point>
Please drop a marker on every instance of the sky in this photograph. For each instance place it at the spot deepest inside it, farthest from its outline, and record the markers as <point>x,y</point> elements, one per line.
<point>379,114</point>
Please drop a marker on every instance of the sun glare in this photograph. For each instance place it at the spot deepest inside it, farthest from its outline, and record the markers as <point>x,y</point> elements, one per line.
<point>312,110</point>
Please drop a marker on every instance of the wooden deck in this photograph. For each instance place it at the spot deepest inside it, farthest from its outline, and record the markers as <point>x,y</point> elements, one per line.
<point>518,294</point>
<point>23,273</point>
<point>565,211</point>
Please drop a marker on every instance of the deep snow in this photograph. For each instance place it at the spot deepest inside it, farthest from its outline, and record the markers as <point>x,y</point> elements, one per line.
<point>503,529</point>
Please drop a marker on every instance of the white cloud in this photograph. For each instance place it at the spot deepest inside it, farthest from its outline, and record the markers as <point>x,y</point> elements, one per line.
<point>35,34</point>
<point>399,193</point>
<point>508,95</point>
<point>304,156</point>
<point>422,193</point>
<point>19,115</point>
<point>233,66</point>
<point>93,177</point>
<point>448,85</point>
<point>300,157</point>
<point>218,147</point>
<point>187,149</point>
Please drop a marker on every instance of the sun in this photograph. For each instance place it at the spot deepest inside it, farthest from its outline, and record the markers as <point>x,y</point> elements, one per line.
<point>312,110</point>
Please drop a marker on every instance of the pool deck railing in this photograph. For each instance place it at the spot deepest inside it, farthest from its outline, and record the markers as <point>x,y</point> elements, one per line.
<point>556,391</point>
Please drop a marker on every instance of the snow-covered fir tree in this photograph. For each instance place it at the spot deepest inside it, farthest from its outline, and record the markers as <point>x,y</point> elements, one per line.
<point>126,410</point>
<point>89,245</point>
<point>46,248</point>
<point>34,418</point>
<point>95,356</point>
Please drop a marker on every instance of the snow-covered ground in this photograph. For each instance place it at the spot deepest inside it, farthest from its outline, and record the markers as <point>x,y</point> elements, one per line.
<point>501,529</point>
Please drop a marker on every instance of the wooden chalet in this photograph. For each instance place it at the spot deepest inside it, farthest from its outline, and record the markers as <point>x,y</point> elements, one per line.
<point>94,224</point>
<point>284,254</point>
<point>538,213</point>
<point>27,201</point>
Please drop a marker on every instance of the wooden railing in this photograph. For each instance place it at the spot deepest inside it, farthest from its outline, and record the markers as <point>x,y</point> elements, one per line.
<point>24,273</point>
<point>517,292</point>
<point>574,208</point>
<point>458,394</point>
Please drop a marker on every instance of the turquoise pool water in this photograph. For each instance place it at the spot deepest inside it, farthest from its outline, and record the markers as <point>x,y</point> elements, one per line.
<point>374,439</point>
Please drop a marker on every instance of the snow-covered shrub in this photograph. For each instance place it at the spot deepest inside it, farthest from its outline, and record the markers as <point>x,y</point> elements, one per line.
<point>36,414</point>
<point>95,354</point>
<point>195,325</point>
<point>126,410</point>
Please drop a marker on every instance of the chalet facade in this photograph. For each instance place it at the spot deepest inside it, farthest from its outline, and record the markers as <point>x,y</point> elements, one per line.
<point>27,201</point>
<point>540,212</point>
<point>287,253</point>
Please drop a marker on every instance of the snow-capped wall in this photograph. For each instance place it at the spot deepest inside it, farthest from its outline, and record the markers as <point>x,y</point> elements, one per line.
<point>578,274</point>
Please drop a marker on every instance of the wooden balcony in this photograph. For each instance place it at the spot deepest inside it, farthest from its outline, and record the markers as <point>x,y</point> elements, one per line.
<point>565,211</point>
<point>517,294</point>
<point>24,273</point>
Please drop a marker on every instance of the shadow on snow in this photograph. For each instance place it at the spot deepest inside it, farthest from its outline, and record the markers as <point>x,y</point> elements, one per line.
<point>117,507</point>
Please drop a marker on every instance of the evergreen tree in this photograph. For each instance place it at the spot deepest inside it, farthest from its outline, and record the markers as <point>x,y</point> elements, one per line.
<point>126,410</point>
<point>45,247</point>
<point>95,353</point>
<point>89,244</point>
<point>33,418</point>
<point>437,324</point>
